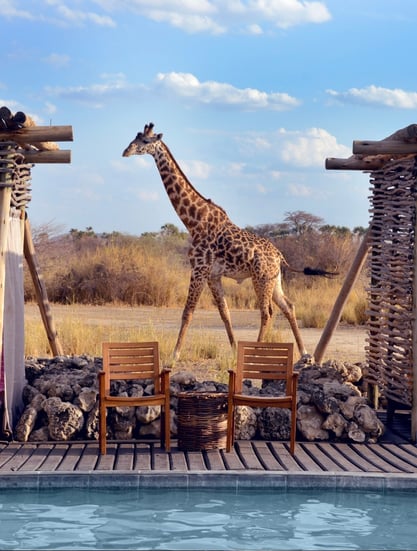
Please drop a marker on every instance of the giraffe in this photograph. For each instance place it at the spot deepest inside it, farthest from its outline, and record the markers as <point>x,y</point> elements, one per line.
<point>219,248</point>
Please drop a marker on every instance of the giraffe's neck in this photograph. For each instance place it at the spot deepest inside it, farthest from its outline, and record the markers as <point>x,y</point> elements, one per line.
<point>198,214</point>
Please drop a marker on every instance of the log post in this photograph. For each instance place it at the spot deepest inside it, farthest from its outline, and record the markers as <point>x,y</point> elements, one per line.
<point>40,291</point>
<point>414,339</point>
<point>6,185</point>
<point>336,313</point>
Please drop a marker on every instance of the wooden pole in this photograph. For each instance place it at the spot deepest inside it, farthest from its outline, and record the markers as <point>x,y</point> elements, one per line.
<point>40,291</point>
<point>414,338</point>
<point>336,313</point>
<point>6,185</point>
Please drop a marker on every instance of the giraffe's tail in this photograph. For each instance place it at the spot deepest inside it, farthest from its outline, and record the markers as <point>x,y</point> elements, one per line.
<point>319,272</point>
<point>312,271</point>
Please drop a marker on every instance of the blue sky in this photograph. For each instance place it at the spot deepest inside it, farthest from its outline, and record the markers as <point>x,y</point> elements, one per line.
<point>251,96</point>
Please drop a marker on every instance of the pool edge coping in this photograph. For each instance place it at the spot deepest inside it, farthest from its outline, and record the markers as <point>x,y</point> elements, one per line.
<point>237,480</point>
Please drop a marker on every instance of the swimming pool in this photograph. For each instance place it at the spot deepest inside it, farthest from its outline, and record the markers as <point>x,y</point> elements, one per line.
<point>207,519</point>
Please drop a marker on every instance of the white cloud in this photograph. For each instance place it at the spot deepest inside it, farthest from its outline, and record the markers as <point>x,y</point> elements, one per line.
<point>144,195</point>
<point>55,12</point>
<point>113,85</point>
<point>184,86</point>
<point>220,93</point>
<point>377,95</point>
<point>57,60</point>
<point>310,147</point>
<point>9,8</point>
<point>192,16</point>
<point>219,16</point>
<point>195,169</point>
<point>299,190</point>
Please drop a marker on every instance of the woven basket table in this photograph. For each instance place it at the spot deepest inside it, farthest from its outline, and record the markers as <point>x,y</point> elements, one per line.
<point>202,420</point>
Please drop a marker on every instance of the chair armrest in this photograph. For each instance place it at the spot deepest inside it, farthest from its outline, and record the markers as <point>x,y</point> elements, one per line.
<point>232,379</point>
<point>164,376</point>
<point>294,380</point>
<point>101,383</point>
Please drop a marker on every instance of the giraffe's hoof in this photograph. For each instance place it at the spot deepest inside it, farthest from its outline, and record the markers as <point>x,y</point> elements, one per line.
<point>306,359</point>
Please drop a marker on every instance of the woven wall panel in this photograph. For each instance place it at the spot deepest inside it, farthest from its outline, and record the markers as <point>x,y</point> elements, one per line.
<point>390,294</point>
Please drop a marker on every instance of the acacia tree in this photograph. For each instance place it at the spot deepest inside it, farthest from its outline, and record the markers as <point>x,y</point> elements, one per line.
<point>301,222</point>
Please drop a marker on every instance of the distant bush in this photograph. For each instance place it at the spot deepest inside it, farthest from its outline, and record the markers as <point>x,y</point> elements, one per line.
<point>152,269</point>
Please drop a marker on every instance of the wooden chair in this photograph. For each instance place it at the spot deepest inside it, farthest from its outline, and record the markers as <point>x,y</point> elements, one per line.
<point>133,361</point>
<point>267,362</point>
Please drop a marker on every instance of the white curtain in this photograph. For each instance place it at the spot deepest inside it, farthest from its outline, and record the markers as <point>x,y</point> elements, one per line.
<point>13,362</point>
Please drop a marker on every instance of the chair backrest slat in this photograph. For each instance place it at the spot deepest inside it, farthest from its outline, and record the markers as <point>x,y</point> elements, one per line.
<point>131,361</point>
<point>257,360</point>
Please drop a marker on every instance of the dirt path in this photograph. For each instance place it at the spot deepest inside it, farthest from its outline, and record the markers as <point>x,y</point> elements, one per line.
<point>348,342</point>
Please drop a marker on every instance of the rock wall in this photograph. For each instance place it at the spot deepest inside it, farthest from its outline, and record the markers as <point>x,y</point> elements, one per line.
<point>61,403</point>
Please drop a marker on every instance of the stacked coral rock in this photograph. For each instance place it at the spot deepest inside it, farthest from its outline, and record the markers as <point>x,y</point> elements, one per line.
<point>61,403</point>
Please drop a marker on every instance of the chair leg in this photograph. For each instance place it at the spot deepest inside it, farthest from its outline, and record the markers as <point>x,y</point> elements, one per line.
<point>293,428</point>
<point>230,437</point>
<point>165,429</point>
<point>102,432</point>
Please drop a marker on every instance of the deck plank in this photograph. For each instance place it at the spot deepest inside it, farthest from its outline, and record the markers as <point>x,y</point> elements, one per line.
<point>339,458</point>
<point>305,459</point>
<point>143,457</point>
<point>106,462</point>
<point>54,458</point>
<point>215,460</point>
<point>248,456</point>
<point>71,458</point>
<point>38,456</point>
<point>326,462</point>
<point>89,458</point>
<point>124,457</point>
<point>283,456</point>
<point>195,461</point>
<point>18,459</point>
<point>393,459</point>
<point>372,456</point>
<point>8,453</point>
<point>357,458</point>
<point>178,460</point>
<point>266,457</point>
<point>232,461</point>
<point>160,459</point>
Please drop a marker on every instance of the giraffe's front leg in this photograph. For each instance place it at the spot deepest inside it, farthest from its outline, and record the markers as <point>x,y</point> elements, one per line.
<point>197,282</point>
<point>217,291</point>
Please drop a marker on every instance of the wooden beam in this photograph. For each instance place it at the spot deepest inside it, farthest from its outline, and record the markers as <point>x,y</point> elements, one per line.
<point>36,134</point>
<point>393,147</point>
<point>60,156</point>
<point>347,286</point>
<point>374,162</point>
<point>40,291</point>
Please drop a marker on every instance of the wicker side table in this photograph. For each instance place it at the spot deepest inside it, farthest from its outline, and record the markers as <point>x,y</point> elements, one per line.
<point>202,420</point>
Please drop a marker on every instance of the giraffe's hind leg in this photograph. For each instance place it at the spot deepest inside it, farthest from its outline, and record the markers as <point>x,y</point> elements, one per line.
<point>264,291</point>
<point>217,291</point>
<point>287,308</point>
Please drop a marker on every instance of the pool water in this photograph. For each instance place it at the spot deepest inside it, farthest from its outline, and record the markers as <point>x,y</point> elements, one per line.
<point>207,519</point>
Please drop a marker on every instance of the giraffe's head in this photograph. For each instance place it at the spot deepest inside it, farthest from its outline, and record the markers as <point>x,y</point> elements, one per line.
<point>141,144</point>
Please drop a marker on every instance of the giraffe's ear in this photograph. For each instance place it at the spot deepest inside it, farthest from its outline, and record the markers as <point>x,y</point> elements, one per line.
<point>159,136</point>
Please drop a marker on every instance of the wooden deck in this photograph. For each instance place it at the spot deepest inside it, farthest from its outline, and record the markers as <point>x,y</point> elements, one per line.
<point>393,456</point>
<point>310,457</point>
